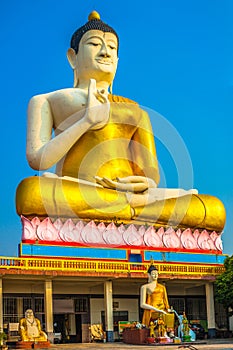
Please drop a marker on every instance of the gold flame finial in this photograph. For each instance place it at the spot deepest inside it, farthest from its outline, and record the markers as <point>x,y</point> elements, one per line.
<point>93,15</point>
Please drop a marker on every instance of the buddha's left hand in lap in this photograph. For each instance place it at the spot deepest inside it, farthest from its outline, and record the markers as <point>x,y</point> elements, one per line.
<point>134,184</point>
<point>141,191</point>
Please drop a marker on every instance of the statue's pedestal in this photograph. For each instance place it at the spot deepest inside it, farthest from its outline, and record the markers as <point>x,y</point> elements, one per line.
<point>135,336</point>
<point>186,338</point>
<point>163,340</point>
<point>24,344</point>
<point>41,345</point>
<point>32,345</point>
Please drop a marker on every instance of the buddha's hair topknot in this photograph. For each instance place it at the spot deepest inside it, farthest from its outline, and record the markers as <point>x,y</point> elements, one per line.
<point>152,268</point>
<point>94,23</point>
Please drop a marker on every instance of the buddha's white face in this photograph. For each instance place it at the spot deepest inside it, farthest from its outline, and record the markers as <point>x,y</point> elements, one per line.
<point>154,275</point>
<point>97,56</point>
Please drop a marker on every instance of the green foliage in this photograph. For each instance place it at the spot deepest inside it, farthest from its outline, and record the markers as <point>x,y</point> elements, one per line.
<point>3,336</point>
<point>224,284</point>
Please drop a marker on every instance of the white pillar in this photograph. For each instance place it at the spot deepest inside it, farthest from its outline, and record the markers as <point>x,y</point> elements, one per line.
<point>108,310</point>
<point>48,297</point>
<point>1,305</point>
<point>210,309</point>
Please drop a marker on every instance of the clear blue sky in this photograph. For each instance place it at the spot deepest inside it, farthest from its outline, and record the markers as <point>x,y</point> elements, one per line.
<point>175,58</point>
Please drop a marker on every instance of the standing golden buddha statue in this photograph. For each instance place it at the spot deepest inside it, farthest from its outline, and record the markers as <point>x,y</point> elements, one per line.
<point>154,300</point>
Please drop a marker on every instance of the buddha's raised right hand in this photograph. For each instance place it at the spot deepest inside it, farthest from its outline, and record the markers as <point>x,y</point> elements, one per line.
<point>98,107</point>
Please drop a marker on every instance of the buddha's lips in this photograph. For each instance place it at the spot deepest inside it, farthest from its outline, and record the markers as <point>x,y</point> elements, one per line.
<point>101,61</point>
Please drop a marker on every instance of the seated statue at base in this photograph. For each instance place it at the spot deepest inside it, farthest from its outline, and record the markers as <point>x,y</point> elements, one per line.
<point>30,328</point>
<point>103,148</point>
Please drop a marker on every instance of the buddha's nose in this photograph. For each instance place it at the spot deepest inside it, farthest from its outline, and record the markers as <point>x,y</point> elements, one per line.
<point>104,51</point>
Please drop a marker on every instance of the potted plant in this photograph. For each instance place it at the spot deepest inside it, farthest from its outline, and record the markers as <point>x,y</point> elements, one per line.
<point>3,338</point>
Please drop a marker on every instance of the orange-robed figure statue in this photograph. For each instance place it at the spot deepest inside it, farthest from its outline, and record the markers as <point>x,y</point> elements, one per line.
<point>103,148</point>
<point>154,300</point>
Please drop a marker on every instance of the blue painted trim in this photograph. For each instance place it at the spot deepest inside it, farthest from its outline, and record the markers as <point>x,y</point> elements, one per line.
<point>35,250</point>
<point>184,257</point>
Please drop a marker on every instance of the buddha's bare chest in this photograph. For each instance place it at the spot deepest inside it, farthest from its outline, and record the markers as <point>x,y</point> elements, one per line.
<point>67,108</point>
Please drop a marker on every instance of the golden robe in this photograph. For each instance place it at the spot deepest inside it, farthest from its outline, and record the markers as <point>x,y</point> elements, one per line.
<point>124,147</point>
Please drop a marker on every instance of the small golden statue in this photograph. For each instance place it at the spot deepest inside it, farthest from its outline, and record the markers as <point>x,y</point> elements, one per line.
<point>161,329</point>
<point>152,329</point>
<point>185,323</point>
<point>30,328</point>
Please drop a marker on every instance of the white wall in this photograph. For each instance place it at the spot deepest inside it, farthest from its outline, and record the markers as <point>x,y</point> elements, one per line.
<point>130,305</point>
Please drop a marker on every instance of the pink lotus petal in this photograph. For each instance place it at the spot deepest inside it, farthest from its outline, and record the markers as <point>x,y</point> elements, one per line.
<point>205,242</point>
<point>132,236</point>
<point>29,231</point>
<point>142,230</point>
<point>214,235</point>
<point>187,239</point>
<point>80,226</point>
<point>46,231</point>
<point>101,227</point>
<point>70,232</point>
<point>170,239</point>
<point>91,234</point>
<point>218,243</point>
<point>160,232</point>
<point>196,234</point>
<point>121,228</point>
<point>35,221</point>
<point>111,226</point>
<point>113,235</point>
<point>179,232</point>
<point>58,224</point>
<point>152,239</point>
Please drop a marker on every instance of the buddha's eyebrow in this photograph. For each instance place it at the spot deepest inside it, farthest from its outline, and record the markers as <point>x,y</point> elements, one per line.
<point>94,37</point>
<point>101,38</point>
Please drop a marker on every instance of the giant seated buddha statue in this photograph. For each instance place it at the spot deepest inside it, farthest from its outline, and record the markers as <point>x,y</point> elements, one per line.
<point>103,148</point>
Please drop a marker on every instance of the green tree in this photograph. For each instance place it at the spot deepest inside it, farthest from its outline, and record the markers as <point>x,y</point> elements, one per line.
<point>224,285</point>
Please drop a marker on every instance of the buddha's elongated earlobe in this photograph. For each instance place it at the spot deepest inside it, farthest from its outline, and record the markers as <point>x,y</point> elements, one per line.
<point>75,79</point>
<point>71,56</point>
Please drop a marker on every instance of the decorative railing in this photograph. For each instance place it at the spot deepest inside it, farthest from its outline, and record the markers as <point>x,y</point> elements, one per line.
<point>108,267</point>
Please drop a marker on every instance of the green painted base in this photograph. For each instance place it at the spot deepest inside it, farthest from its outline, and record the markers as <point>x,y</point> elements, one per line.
<point>186,338</point>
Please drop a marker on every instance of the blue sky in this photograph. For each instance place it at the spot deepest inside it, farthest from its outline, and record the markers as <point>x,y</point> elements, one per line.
<point>175,59</point>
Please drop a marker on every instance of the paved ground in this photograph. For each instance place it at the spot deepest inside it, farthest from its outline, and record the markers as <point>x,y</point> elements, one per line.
<point>217,344</point>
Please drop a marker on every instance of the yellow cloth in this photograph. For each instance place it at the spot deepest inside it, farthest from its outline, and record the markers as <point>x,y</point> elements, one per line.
<point>43,197</point>
<point>158,299</point>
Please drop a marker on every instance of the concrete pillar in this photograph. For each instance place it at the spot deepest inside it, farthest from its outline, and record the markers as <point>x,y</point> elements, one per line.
<point>210,309</point>
<point>108,311</point>
<point>72,324</point>
<point>1,305</point>
<point>48,300</point>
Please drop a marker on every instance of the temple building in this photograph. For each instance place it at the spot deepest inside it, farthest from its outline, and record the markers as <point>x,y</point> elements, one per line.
<point>71,286</point>
<point>91,229</point>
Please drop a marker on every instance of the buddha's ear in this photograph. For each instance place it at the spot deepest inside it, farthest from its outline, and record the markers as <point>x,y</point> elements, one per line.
<point>71,56</point>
